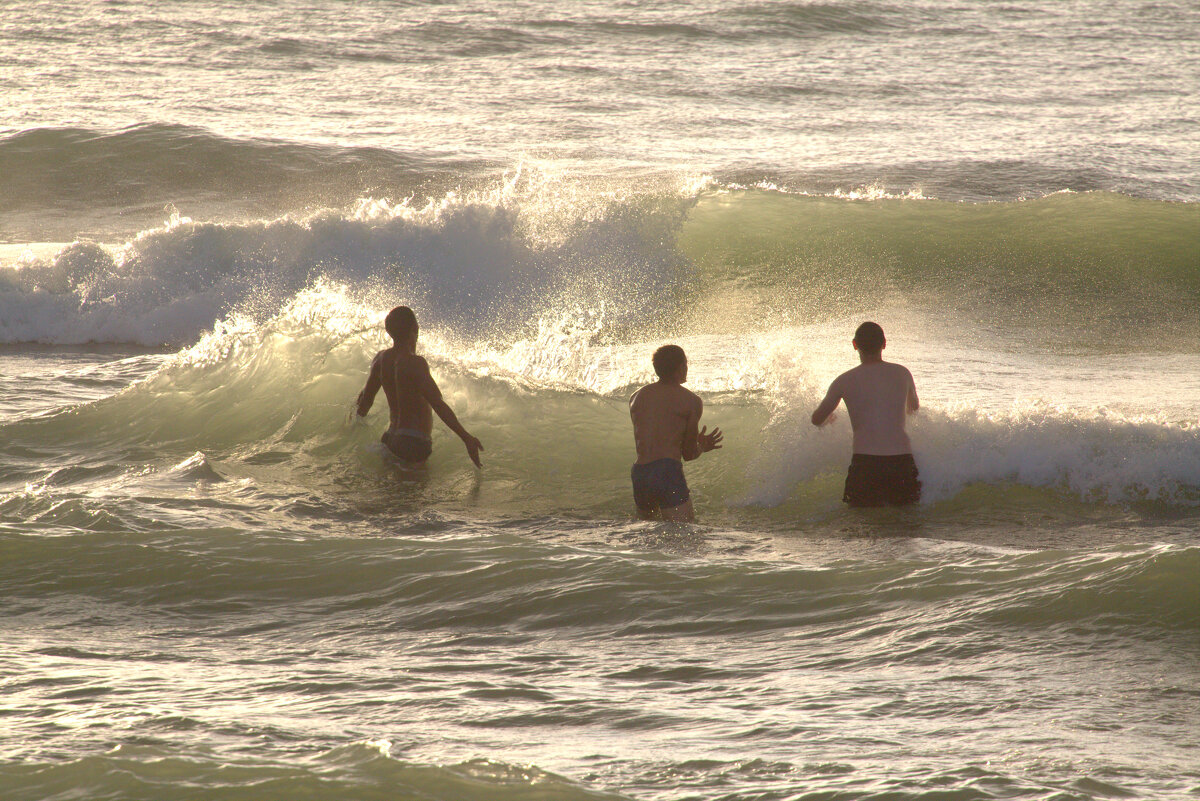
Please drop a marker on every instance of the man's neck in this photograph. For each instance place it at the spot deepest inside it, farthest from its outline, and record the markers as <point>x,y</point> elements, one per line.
<point>870,358</point>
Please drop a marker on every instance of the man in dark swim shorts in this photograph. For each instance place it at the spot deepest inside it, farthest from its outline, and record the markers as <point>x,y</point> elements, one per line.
<point>407,444</point>
<point>666,420</point>
<point>882,480</point>
<point>412,394</point>
<point>878,395</point>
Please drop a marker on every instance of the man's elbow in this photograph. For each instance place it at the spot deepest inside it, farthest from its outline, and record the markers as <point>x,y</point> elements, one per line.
<point>818,419</point>
<point>444,412</point>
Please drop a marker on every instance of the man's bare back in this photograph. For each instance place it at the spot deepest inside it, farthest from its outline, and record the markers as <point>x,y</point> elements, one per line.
<point>662,415</point>
<point>666,432</point>
<point>879,396</point>
<point>412,394</point>
<point>400,375</point>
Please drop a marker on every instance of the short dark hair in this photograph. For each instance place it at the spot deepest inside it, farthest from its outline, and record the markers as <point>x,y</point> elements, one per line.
<point>400,323</point>
<point>869,338</point>
<point>667,360</point>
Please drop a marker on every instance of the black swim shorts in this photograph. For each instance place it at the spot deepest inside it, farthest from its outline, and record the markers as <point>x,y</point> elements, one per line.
<point>659,485</point>
<point>882,480</point>
<point>408,444</point>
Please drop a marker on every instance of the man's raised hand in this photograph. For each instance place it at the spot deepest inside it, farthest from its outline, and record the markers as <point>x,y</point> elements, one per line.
<point>710,442</point>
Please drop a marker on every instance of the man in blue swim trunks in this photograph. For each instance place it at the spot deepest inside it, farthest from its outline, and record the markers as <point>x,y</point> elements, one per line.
<point>412,394</point>
<point>666,430</point>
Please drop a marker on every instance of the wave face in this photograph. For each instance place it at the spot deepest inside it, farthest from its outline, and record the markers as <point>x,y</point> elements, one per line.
<point>1084,266</point>
<point>269,402</point>
<point>1075,268</point>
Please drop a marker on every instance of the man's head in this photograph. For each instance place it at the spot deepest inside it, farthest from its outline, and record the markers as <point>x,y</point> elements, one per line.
<point>401,323</point>
<point>869,339</point>
<point>670,363</point>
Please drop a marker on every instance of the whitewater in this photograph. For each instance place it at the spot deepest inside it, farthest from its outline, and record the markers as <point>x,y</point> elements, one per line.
<point>216,584</point>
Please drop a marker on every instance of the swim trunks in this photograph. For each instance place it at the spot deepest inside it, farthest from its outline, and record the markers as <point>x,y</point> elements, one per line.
<point>408,444</point>
<point>659,485</point>
<point>882,480</point>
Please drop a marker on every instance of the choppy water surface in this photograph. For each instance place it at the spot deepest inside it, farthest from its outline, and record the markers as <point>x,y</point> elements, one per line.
<point>214,586</point>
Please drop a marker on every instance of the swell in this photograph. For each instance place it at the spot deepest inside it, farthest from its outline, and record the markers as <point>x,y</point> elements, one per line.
<point>354,772</point>
<point>64,183</point>
<point>504,582</point>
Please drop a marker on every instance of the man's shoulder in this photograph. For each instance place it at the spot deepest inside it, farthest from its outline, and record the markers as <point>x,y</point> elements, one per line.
<point>662,394</point>
<point>395,362</point>
<point>848,376</point>
<point>682,400</point>
<point>411,362</point>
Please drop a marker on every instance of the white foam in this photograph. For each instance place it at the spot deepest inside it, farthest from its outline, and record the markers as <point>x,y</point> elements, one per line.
<point>480,259</point>
<point>1098,455</point>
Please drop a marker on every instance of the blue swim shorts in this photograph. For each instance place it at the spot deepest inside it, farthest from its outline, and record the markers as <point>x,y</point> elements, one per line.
<point>659,485</point>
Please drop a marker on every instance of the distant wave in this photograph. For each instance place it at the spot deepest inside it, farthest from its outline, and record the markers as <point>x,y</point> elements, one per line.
<point>60,184</point>
<point>106,178</point>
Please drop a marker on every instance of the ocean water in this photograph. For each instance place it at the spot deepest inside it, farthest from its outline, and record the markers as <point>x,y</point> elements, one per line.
<point>215,585</point>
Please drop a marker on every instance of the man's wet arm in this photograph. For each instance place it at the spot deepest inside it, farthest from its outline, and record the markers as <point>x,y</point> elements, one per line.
<point>367,397</point>
<point>691,432</point>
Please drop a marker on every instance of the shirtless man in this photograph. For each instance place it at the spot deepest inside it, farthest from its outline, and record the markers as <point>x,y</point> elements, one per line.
<point>411,394</point>
<point>666,420</point>
<point>878,395</point>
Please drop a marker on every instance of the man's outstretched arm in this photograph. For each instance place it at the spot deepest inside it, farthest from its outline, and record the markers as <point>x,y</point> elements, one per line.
<point>430,392</point>
<point>824,411</point>
<point>367,396</point>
